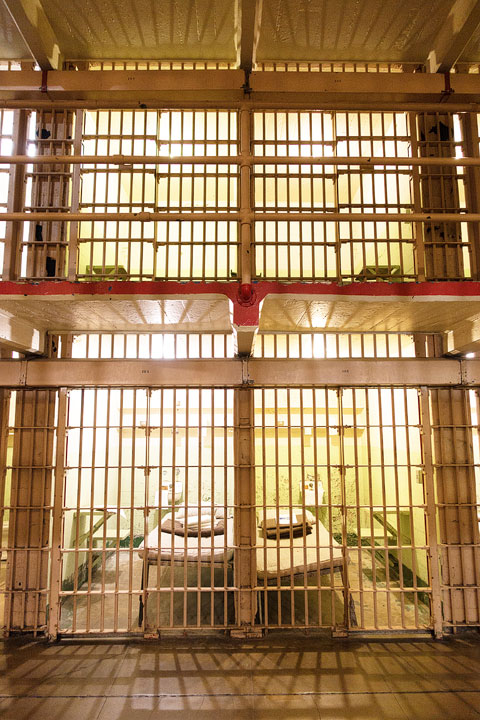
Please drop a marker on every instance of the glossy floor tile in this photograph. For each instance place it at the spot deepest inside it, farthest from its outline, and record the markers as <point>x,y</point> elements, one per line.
<point>279,677</point>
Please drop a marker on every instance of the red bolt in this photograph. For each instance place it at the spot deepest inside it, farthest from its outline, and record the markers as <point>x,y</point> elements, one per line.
<point>246,294</point>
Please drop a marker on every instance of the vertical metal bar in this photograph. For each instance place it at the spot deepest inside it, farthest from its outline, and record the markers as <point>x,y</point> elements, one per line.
<point>5,397</point>
<point>343,510</point>
<point>81,443</point>
<point>409,422</point>
<point>368,429</point>
<point>471,149</point>
<point>263,510</point>
<point>417,199</point>
<point>356,392</point>
<point>288,392</point>
<point>59,481</point>
<point>399,542</point>
<point>75,198</point>
<point>388,596</point>
<point>437,618</point>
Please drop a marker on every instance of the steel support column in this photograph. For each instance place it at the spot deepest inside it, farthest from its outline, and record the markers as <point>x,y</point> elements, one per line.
<point>456,501</point>
<point>442,240</point>
<point>47,244</point>
<point>245,519</point>
<point>59,481</point>
<point>431,515</point>
<point>471,145</point>
<point>29,527</point>
<point>245,334</point>
<point>75,199</point>
<point>4,413</point>
<point>16,193</point>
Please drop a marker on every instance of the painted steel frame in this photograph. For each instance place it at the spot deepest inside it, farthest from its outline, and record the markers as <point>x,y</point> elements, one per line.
<point>134,87</point>
<point>371,372</point>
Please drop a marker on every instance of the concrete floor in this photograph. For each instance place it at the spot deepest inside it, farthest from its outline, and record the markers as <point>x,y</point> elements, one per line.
<point>280,676</point>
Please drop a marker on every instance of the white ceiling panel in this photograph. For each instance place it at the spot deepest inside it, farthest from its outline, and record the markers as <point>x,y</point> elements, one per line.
<point>12,46</point>
<point>144,29</point>
<point>361,30</point>
<point>99,314</point>
<point>284,313</point>
<point>291,30</point>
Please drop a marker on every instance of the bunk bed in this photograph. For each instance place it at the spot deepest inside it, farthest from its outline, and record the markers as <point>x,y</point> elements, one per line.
<point>295,555</point>
<point>195,535</point>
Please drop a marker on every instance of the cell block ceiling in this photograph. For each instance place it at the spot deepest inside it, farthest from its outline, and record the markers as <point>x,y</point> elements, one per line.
<point>211,30</point>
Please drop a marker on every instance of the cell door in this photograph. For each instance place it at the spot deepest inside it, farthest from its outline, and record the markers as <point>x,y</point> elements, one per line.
<point>147,517</point>
<point>340,509</point>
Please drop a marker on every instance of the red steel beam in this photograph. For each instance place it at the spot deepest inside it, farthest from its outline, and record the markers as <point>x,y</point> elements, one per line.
<point>246,305</point>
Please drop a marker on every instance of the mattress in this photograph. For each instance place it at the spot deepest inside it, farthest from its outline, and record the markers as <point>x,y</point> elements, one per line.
<point>166,547</point>
<point>284,557</point>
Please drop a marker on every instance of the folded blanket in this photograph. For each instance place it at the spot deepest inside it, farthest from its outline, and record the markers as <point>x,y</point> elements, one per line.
<point>286,524</point>
<point>287,532</point>
<point>177,528</point>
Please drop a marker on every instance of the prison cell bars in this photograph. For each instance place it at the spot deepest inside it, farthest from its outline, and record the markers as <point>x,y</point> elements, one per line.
<point>382,67</point>
<point>45,247</point>
<point>147,461</point>
<point>13,230</point>
<point>338,67</point>
<point>457,506</point>
<point>310,345</point>
<point>174,345</point>
<point>103,187</point>
<point>7,131</point>
<point>343,245</point>
<point>72,261</point>
<point>456,553</point>
<point>446,245</point>
<point>470,131</point>
<point>28,550</point>
<point>204,246</point>
<point>5,398</point>
<point>204,592</point>
<point>95,65</point>
<point>290,345</point>
<point>374,604</point>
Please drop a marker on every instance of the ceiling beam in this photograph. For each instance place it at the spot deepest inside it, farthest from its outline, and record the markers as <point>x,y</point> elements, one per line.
<point>225,88</point>
<point>464,337</point>
<point>454,36</point>
<point>36,31</point>
<point>244,338</point>
<point>20,335</point>
<point>371,372</point>
<point>249,16</point>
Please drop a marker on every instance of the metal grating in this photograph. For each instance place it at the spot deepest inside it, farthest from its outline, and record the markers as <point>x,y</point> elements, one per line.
<point>164,249</point>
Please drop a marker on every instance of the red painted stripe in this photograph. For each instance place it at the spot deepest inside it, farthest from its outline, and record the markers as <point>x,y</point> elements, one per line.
<point>48,288</point>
